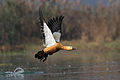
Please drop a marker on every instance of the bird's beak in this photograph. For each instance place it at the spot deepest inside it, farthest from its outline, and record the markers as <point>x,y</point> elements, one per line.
<point>73,48</point>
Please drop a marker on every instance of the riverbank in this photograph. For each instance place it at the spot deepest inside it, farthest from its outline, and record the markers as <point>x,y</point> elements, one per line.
<point>80,45</point>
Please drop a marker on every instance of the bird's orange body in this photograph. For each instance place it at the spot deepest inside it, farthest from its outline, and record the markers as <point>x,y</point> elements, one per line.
<point>56,47</point>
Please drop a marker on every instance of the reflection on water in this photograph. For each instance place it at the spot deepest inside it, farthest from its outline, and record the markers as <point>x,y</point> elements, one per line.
<point>13,77</point>
<point>17,73</point>
<point>63,66</point>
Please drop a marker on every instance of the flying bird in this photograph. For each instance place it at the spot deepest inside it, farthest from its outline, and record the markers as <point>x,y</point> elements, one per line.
<point>51,33</point>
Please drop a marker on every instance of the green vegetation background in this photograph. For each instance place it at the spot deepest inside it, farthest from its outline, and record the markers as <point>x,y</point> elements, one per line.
<point>89,26</point>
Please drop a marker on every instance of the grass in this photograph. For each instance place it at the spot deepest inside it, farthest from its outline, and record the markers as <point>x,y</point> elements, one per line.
<point>86,51</point>
<point>15,52</point>
<point>113,46</point>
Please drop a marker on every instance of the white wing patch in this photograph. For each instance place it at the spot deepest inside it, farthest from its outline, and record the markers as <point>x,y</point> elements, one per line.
<point>57,36</point>
<point>49,39</point>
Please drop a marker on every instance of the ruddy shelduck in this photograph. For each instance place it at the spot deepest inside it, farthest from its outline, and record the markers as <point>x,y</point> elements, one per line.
<point>51,32</point>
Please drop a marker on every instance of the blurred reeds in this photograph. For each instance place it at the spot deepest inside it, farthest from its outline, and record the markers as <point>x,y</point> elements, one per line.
<point>82,24</point>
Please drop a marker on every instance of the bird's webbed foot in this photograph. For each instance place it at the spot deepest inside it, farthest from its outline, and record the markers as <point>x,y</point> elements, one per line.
<point>44,58</point>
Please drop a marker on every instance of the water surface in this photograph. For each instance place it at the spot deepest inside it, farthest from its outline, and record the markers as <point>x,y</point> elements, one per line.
<point>63,65</point>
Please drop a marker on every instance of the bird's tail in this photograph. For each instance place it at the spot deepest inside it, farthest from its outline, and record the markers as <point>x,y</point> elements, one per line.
<point>41,55</point>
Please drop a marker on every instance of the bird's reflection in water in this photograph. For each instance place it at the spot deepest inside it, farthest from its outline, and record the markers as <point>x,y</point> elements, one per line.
<point>17,74</point>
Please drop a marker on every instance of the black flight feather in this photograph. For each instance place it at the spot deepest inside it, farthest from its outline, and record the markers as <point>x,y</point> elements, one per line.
<point>55,24</point>
<point>41,21</point>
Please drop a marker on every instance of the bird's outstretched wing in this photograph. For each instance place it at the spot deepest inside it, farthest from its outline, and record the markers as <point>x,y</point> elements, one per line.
<point>55,26</point>
<point>46,32</point>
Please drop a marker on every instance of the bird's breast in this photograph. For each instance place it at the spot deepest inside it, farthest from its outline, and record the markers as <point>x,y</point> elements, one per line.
<point>52,49</point>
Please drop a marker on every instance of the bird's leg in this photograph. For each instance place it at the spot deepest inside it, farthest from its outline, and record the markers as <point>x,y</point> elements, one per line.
<point>45,58</point>
<point>41,58</point>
